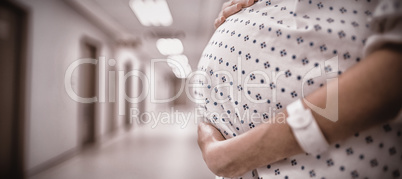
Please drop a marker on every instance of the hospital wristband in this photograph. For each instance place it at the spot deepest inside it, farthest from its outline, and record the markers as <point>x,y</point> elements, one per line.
<point>305,129</point>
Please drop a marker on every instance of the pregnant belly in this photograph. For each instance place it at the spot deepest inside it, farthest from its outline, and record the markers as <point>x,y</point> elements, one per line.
<point>255,65</point>
<point>264,58</point>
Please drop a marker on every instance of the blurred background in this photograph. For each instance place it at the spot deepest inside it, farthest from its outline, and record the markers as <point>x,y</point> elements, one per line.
<point>46,134</point>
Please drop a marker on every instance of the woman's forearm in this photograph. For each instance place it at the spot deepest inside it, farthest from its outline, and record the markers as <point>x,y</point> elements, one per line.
<point>369,94</point>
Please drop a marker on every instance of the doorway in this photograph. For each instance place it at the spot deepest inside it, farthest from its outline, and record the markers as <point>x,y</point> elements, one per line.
<point>13,26</point>
<point>86,87</point>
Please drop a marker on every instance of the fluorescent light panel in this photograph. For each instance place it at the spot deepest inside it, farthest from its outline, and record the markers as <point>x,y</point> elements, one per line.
<point>171,46</point>
<point>152,12</point>
<point>179,65</point>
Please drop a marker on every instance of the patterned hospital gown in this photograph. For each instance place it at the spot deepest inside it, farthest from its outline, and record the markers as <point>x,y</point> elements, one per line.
<point>276,51</point>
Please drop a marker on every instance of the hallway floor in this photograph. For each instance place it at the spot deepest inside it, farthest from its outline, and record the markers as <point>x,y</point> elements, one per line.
<point>166,151</point>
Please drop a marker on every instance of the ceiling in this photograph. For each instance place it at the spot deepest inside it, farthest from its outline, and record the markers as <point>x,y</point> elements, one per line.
<point>192,23</point>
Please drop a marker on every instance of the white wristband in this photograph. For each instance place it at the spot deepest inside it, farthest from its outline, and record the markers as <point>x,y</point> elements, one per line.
<point>305,129</point>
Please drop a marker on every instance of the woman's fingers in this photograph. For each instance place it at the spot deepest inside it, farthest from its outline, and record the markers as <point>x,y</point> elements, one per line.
<point>227,4</point>
<point>219,21</point>
<point>234,6</point>
<point>226,13</point>
<point>204,135</point>
<point>231,10</point>
<point>231,7</point>
<point>244,3</point>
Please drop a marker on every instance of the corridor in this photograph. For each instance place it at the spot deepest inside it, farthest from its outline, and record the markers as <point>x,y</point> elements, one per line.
<point>116,89</point>
<point>90,88</point>
<point>164,152</point>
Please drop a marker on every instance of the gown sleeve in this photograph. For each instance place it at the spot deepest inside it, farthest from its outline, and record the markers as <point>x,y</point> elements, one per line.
<point>386,24</point>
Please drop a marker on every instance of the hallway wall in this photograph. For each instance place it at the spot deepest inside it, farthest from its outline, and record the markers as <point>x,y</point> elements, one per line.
<point>55,31</point>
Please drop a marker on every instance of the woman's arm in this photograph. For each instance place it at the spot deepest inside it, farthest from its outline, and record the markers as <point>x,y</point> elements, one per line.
<point>370,93</point>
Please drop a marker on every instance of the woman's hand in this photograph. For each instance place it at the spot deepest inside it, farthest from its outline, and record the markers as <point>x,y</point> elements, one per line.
<point>231,7</point>
<point>207,135</point>
<point>214,149</point>
<point>208,139</point>
<point>233,157</point>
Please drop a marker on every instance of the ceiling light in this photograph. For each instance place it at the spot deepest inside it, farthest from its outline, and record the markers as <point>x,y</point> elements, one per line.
<point>152,12</point>
<point>175,60</point>
<point>179,65</point>
<point>169,46</point>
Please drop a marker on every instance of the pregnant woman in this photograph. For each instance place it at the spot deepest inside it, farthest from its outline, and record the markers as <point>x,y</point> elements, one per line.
<point>300,89</point>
